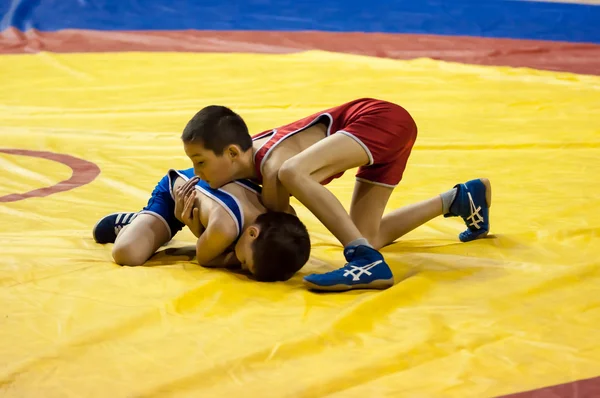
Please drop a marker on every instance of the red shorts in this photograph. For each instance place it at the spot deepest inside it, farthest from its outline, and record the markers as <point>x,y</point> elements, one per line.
<point>385,130</point>
<point>387,133</point>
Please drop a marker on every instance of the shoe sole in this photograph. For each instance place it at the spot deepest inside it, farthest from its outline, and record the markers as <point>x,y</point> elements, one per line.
<point>380,284</point>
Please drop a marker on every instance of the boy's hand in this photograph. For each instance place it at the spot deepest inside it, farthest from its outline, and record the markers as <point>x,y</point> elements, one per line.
<point>190,215</point>
<point>181,194</point>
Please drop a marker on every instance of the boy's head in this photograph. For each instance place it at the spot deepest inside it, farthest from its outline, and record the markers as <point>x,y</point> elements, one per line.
<point>275,247</point>
<point>214,139</point>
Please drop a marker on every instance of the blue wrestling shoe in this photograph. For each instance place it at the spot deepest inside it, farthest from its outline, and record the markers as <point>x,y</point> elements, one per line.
<point>366,269</point>
<point>472,202</point>
<point>107,229</point>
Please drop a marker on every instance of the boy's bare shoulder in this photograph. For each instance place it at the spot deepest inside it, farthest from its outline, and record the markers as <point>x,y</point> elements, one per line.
<point>236,189</point>
<point>221,222</point>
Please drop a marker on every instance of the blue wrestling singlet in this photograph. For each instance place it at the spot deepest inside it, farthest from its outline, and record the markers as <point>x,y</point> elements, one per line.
<point>162,200</point>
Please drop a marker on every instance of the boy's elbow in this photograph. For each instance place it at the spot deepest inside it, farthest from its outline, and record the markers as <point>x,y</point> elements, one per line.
<point>207,264</point>
<point>200,258</point>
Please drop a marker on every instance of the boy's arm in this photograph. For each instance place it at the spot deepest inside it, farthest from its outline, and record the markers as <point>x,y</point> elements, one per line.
<point>274,195</point>
<point>212,246</point>
<point>227,259</point>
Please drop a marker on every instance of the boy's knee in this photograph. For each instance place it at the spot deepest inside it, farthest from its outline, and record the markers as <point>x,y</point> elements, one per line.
<point>289,171</point>
<point>127,255</point>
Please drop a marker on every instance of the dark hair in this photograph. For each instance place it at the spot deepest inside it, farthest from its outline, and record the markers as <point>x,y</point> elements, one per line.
<point>281,248</point>
<point>217,127</point>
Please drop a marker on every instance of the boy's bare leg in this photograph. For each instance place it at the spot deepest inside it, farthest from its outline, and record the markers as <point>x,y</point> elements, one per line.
<point>368,201</point>
<point>472,203</point>
<point>138,241</point>
<point>301,176</point>
<point>368,205</point>
<point>401,221</point>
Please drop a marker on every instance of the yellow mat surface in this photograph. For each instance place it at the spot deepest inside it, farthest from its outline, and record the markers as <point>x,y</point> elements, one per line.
<point>517,311</point>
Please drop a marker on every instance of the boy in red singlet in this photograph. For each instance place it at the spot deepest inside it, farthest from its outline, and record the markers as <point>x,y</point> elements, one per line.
<point>300,158</point>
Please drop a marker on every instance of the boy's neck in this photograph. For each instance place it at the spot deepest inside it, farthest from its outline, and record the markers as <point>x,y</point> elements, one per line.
<point>246,165</point>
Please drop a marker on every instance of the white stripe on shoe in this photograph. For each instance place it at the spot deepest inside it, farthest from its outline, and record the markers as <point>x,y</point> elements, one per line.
<point>475,218</point>
<point>361,270</point>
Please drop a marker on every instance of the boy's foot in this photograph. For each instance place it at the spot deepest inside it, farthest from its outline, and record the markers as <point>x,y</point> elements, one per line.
<point>366,269</point>
<point>107,229</point>
<point>472,202</point>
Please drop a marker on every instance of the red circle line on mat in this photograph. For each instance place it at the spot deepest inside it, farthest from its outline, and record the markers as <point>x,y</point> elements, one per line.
<point>83,172</point>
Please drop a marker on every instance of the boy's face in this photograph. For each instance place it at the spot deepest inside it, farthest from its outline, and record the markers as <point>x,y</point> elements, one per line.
<point>243,248</point>
<point>216,170</point>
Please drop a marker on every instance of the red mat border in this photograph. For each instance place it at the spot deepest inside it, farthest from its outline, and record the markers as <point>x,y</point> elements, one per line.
<point>581,58</point>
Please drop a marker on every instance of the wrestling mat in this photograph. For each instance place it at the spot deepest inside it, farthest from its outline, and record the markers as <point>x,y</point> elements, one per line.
<point>84,135</point>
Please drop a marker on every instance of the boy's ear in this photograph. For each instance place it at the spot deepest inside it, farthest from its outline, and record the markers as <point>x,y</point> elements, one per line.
<point>234,151</point>
<point>253,231</point>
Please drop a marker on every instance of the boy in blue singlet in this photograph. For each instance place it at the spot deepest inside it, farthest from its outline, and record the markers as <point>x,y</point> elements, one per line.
<point>231,224</point>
